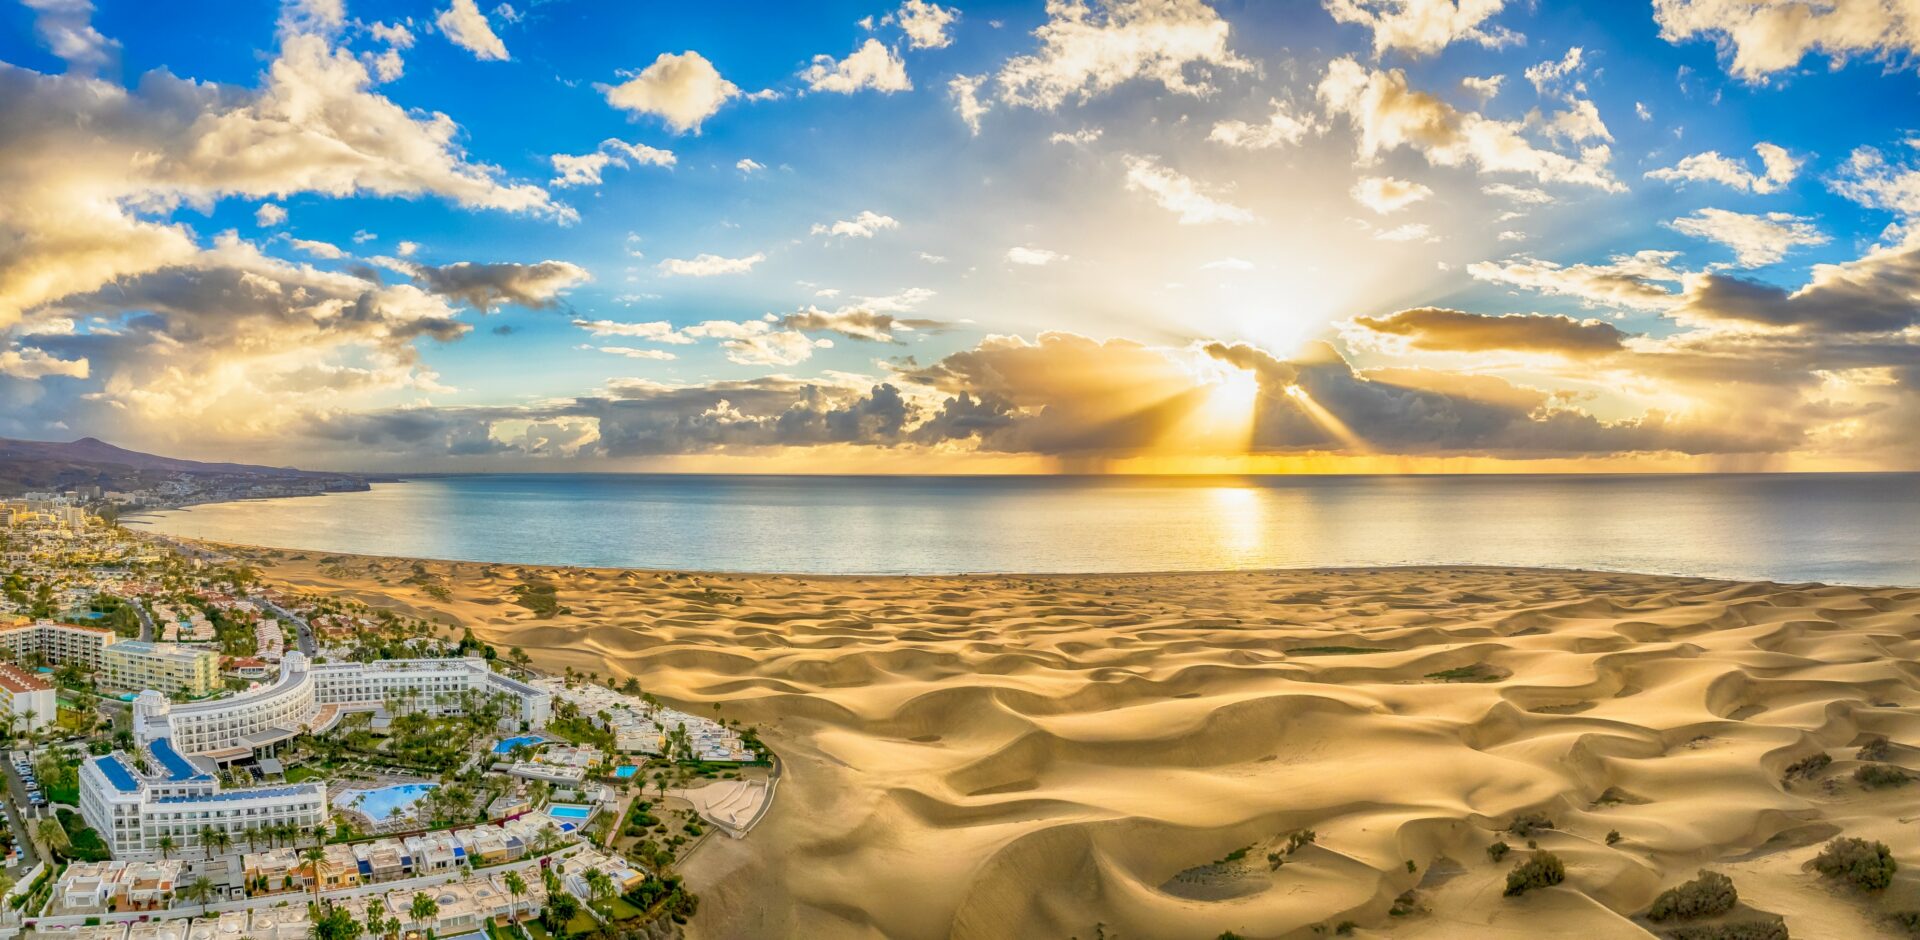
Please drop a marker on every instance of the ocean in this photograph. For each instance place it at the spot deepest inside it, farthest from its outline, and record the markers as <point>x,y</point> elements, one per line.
<point>1850,529</point>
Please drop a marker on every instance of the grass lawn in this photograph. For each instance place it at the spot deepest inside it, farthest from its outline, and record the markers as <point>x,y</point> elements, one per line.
<point>619,909</point>
<point>303,772</point>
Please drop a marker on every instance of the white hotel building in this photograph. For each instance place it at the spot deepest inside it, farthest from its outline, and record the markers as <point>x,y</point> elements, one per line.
<point>132,809</point>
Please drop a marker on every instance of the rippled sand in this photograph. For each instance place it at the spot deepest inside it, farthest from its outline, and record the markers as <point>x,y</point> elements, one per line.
<point>988,757</point>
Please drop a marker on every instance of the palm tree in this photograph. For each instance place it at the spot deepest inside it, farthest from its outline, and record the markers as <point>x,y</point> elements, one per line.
<point>198,890</point>
<point>314,857</point>
<point>423,909</point>
<point>376,916</point>
<point>206,840</point>
<point>53,834</point>
<point>252,835</point>
<point>165,844</point>
<point>516,886</point>
<point>222,840</point>
<point>599,887</point>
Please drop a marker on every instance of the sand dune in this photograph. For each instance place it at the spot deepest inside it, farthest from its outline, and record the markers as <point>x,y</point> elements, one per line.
<point>985,757</point>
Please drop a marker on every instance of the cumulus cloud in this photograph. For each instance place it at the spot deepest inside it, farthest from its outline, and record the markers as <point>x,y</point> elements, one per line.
<point>1034,257</point>
<point>757,342</point>
<point>749,166</point>
<point>269,215</point>
<point>873,65</point>
<point>1386,194</point>
<point>1424,27</point>
<point>1088,49</point>
<point>1409,232</point>
<point>1387,115</point>
<point>965,92</point>
<point>637,352</point>
<point>926,24</point>
<point>585,169</point>
<point>1756,239</point>
<point>863,225</point>
<point>486,286</point>
<point>1777,169</point>
<point>66,28</point>
<point>318,249</point>
<point>1876,293</point>
<point>709,265</point>
<point>683,90</point>
<point>1521,194</point>
<point>1439,329</point>
<point>465,26</point>
<point>33,363</point>
<point>657,331</point>
<point>92,169</point>
<point>1636,281</point>
<point>1870,180</point>
<point>1175,192</point>
<point>1282,128</point>
<point>1761,38</point>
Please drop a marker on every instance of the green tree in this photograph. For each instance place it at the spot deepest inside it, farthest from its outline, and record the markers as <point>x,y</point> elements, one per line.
<point>423,908</point>
<point>165,844</point>
<point>516,886</point>
<point>314,857</point>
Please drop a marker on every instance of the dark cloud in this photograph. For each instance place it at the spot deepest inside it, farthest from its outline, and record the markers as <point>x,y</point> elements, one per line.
<point>486,286</point>
<point>1443,330</point>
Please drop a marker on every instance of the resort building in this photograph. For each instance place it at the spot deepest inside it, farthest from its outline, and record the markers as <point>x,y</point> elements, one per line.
<point>57,644</point>
<point>27,697</point>
<point>312,697</point>
<point>167,667</point>
<point>133,802</point>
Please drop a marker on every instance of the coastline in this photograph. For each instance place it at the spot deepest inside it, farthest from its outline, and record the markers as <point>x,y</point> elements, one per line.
<point>1123,736</point>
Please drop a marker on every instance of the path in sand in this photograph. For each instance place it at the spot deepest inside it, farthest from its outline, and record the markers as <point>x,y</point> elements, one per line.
<point>1027,756</point>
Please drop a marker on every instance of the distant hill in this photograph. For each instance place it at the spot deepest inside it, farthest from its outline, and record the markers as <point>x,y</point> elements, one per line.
<point>28,466</point>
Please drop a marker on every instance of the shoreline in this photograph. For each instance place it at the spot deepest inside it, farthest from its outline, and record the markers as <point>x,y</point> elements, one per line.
<point>963,575</point>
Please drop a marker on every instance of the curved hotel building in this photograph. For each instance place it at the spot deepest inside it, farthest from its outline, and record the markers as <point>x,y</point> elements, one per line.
<point>169,787</point>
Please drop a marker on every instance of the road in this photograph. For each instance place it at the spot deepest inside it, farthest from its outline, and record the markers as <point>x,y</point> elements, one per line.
<point>147,630</point>
<point>302,631</point>
<point>19,821</point>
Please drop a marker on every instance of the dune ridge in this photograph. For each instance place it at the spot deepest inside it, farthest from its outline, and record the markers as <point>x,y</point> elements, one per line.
<point>997,756</point>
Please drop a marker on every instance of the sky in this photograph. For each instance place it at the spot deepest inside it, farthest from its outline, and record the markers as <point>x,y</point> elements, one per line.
<point>1148,236</point>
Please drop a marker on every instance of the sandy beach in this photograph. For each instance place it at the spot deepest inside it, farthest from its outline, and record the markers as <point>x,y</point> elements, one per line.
<point>1060,756</point>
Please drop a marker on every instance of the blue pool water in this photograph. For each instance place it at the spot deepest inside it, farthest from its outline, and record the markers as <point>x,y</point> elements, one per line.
<point>381,804</point>
<point>625,771</point>
<point>509,744</point>
<point>568,811</point>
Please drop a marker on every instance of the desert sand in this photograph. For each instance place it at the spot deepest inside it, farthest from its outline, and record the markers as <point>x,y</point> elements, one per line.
<point>1061,756</point>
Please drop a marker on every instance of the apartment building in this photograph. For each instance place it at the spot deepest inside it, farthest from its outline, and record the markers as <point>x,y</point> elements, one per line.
<point>27,697</point>
<point>57,644</point>
<point>136,665</point>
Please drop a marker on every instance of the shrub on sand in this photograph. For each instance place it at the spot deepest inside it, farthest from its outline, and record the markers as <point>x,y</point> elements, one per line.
<point>1543,870</point>
<point>1709,895</point>
<point>1868,866</point>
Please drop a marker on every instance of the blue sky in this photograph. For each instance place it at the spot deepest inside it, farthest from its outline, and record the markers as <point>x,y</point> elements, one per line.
<point>1119,263</point>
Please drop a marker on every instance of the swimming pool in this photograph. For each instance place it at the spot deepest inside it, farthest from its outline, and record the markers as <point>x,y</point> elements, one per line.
<point>569,811</point>
<point>625,771</point>
<point>384,803</point>
<point>509,744</point>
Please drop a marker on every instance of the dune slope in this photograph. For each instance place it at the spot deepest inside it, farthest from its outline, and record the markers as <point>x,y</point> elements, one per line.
<point>984,757</point>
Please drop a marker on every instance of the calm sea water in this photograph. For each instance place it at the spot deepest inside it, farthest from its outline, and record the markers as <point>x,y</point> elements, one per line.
<point>1858,529</point>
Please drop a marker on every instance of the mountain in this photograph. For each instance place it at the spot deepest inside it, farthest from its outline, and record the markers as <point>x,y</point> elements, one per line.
<point>27,466</point>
